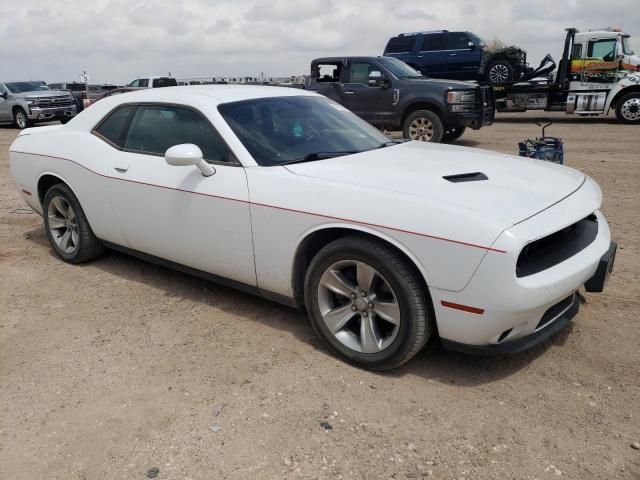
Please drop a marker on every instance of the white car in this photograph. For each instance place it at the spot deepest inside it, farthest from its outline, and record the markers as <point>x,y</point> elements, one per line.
<point>286,194</point>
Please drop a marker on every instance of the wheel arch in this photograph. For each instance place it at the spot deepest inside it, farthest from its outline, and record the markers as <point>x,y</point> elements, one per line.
<point>622,93</point>
<point>48,180</point>
<point>422,104</point>
<point>312,241</point>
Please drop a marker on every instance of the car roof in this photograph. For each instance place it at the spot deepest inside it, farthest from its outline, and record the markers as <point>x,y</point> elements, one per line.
<point>199,96</point>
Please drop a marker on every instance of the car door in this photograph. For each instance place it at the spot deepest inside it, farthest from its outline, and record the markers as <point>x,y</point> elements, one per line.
<point>463,60</point>
<point>369,98</point>
<point>432,57</point>
<point>5,108</point>
<point>176,213</point>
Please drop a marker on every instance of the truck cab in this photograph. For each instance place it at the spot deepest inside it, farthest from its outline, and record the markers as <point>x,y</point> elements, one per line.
<point>391,95</point>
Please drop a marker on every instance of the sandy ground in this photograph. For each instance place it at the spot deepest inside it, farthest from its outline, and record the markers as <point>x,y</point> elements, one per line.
<point>114,367</point>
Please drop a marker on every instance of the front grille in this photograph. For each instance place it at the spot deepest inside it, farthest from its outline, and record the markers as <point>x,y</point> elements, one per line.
<point>557,247</point>
<point>556,310</point>
<point>52,102</point>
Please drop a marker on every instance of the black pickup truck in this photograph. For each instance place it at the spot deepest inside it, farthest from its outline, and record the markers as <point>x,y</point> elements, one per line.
<point>391,95</point>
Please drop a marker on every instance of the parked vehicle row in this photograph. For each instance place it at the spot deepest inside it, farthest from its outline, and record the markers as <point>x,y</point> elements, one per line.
<point>285,193</point>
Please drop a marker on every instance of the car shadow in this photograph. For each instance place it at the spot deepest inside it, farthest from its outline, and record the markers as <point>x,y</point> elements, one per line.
<point>433,363</point>
<point>568,120</point>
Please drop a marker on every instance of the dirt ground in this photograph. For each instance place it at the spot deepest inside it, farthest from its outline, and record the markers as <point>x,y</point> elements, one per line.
<point>114,367</point>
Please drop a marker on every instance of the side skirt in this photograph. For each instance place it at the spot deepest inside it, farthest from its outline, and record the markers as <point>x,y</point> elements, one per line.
<point>266,294</point>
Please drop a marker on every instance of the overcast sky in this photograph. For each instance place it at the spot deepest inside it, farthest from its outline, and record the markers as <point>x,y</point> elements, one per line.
<point>117,40</point>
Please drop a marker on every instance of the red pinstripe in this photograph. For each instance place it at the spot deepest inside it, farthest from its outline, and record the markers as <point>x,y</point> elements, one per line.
<point>464,308</point>
<point>425,235</point>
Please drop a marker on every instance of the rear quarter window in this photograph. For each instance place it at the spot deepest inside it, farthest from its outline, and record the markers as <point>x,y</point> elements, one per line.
<point>114,126</point>
<point>400,45</point>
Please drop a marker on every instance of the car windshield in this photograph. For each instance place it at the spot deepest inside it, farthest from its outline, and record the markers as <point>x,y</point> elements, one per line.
<point>399,68</point>
<point>626,46</point>
<point>282,130</point>
<point>21,87</point>
<point>475,39</point>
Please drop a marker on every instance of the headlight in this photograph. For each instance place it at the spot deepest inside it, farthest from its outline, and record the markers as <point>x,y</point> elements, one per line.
<point>464,96</point>
<point>30,100</point>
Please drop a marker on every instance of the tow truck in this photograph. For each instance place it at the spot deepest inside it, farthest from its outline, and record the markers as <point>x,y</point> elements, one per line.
<point>598,73</point>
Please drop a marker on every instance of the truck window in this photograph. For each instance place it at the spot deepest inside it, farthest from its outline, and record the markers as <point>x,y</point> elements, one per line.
<point>329,72</point>
<point>434,41</point>
<point>166,82</point>
<point>604,49</point>
<point>143,82</point>
<point>400,45</point>
<point>576,51</point>
<point>359,72</point>
<point>458,41</point>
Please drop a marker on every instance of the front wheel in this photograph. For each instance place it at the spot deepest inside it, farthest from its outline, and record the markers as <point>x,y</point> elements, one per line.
<point>500,71</point>
<point>367,303</point>
<point>628,108</point>
<point>20,119</point>
<point>453,134</point>
<point>423,125</point>
<point>67,226</point>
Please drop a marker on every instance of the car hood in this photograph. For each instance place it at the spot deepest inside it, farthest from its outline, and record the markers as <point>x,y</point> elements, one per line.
<point>44,94</point>
<point>516,188</point>
<point>428,81</point>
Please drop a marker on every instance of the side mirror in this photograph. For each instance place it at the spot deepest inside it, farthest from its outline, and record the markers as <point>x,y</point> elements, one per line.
<point>471,45</point>
<point>188,154</point>
<point>375,78</point>
<point>3,95</point>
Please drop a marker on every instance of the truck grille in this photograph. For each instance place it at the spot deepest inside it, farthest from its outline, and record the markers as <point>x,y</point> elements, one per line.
<point>53,102</point>
<point>557,247</point>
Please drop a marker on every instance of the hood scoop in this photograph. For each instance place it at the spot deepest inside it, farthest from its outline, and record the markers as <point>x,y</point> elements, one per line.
<point>466,177</point>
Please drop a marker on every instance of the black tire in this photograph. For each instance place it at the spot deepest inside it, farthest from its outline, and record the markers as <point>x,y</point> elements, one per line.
<point>628,108</point>
<point>416,323</point>
<point>88,246</point>
<point>20,119</point>
<point>412,129</point>
<point>453,134</point>
<point>499,71</point>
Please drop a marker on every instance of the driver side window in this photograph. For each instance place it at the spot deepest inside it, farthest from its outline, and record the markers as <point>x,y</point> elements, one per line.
<point>359,72</point>
<point>604,49</point>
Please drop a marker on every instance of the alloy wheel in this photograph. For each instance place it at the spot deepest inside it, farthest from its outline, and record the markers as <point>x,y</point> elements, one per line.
<point>358,306</point>
<point>630,109</point>
<point>421,129</point>
<point>499,73</point>
<point>21,119</point>
<point>63,224</point>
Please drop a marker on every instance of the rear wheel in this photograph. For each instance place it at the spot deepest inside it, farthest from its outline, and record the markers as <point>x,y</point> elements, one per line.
<point>423,125</point>
<point>67,227</point>
<point>367,303</point>
<point>453,134</point>
<point>500,71</point>
<point>20,119</point>
<point>628,108</point>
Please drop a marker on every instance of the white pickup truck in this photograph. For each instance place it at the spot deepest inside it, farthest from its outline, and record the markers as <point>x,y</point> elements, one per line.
<point>153,82</point>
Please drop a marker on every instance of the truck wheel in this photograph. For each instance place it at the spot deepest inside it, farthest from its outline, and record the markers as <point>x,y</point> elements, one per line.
<point>20,119</point>
<point>453,134</point>
<point>367,303</point>
<point>423,125</point>
<point>500,71</point>
<point>628,108</point>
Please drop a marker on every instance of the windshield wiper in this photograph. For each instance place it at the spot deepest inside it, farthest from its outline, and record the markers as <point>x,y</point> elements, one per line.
<point>312,157</point>
<point>387,144</point>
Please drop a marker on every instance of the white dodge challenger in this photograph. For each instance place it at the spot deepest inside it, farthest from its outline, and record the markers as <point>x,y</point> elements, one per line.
<point>286,194</point>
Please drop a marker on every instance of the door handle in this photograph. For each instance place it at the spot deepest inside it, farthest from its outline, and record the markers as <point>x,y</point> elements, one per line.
<point>419,56</point>
<point>121,167</point>
<point>453,54</point>
<point>349,92</point>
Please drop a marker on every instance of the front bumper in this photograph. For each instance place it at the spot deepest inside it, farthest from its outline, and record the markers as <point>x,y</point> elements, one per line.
<point>505,308</point>
<point>482,115</point>
<point>51,113</point>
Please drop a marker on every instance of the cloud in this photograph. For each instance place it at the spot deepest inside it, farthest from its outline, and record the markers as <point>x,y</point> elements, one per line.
<point>116,40</point>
